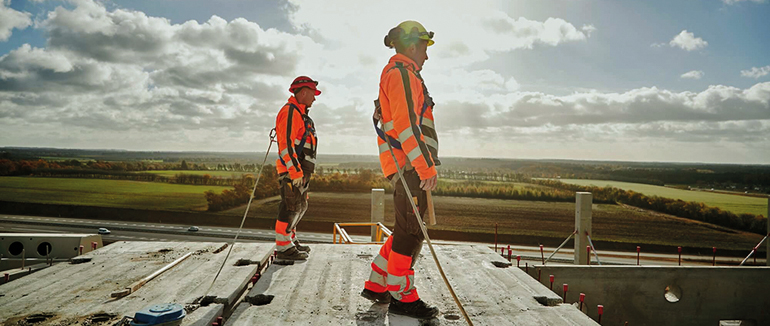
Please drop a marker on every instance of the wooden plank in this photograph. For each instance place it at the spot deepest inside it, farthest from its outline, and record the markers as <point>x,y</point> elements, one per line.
<point>134,287</point>
<point>431,212</point>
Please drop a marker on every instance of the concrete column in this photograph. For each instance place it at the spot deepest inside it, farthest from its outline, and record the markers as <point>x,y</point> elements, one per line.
<point>378,210</point>
<point>767,252</point>
<point>583,201</point>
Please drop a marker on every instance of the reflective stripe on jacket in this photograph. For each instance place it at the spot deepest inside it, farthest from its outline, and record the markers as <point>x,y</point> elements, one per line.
<point>291,125</point>
<point>407,116</point>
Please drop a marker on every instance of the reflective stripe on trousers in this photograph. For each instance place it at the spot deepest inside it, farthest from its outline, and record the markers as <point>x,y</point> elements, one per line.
<point>378,276</point>
<point>283,239</point>
<point>394,274</point>
<point>401,278</point>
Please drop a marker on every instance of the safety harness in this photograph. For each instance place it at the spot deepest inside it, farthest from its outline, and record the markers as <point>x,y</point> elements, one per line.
<point>309,130</point>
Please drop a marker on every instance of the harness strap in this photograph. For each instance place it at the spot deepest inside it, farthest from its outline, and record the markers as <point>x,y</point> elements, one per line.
<point>395,143</point>
<point>309,129</point>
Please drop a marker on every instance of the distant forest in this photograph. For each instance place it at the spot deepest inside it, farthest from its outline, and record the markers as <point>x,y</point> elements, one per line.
<point>752,178</point>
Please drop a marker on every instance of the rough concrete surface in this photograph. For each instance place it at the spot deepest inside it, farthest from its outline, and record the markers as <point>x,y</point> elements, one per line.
<point>72,293</point>
<point>324,290</point>
<point>696,295</point>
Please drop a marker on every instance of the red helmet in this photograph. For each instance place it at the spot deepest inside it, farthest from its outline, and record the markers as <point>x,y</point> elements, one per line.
<point>304,81</point>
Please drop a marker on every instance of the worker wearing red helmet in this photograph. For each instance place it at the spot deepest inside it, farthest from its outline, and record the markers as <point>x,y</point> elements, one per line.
<point>297,143</point>
<point>405,113</point>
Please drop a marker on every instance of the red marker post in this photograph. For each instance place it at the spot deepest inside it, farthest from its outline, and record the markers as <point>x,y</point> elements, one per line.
<point>601,312</point>
<point>714,260</point>
<point>582,298</point>
<point>81,249</point>
<point>220,320</point>
<point>551,278</point>
<point>518,260</point>
<point>638,252</point>
<point>509,252</point>
<point>566,287</point>
<point>588,254</point>
<point>502,251</point>
<point>495,236</point>
<point>679,249</point>
<point>542,256</point>
<point>93,245</point>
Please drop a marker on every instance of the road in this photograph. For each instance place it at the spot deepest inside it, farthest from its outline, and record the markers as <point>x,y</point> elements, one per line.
<point>131,231</point>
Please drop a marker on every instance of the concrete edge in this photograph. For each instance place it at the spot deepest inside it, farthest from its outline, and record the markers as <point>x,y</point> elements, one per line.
<point>539,292</point>
<point>208,317</point>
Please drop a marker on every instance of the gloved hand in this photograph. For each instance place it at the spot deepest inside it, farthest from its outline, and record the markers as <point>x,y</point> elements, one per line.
<point>297,183</point>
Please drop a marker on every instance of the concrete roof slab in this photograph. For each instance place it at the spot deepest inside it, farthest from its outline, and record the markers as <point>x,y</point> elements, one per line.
<point>324,290</point>
<point>73,292</point>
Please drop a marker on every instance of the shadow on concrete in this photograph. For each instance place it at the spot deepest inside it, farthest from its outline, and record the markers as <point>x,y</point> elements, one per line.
<point>375,316</point>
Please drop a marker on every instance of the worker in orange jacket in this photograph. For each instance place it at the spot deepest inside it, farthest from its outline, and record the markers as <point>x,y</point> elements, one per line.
<point>297,143</point>
<point>405,113</point>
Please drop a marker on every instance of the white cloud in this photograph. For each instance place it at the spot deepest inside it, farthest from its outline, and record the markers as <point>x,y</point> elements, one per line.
<point>687,41</point>
<point>756,72</point>
<point>10,19</point>
<point>122,79</point>
<point>732,2</point>
<point>588,29</point>
<point>485,29</point>
<point>523,33</point>
<point>122,70</point>
<point>582,111</point>
<point>695,74</point>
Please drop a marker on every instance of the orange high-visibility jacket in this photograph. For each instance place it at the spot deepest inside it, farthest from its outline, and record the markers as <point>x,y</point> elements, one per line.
<point>407,117</point>
<point>291,126</point>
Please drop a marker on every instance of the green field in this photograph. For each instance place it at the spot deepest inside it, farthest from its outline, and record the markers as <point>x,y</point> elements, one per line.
<point>556,220</point>
<point>733,203</point>
<point>221,174</point>
<point>105,193</point>
<point>515,185</point>
<point>526,218</point>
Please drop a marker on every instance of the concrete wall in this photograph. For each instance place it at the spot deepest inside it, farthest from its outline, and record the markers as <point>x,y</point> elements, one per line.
<point>636,294</point>
<point>62,246</point>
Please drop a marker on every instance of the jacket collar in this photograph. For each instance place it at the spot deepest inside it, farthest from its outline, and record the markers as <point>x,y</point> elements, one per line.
<point>406,61</point>
<point>301,107</point>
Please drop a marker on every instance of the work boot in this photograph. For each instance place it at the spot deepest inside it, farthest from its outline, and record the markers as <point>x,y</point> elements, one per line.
<point>301,247</point>
<point>418,309</point>
<point>291,254</point>
<point>376,297</point>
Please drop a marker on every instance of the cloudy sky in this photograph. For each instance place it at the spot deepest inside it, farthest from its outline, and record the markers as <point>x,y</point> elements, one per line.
<point>684,81</point>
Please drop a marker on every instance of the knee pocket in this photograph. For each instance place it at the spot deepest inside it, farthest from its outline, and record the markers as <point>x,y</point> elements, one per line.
<point>292,198</point>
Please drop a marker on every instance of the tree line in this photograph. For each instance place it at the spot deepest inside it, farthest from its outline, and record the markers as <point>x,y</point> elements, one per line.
<point>30,167</point>
<point>677,207</point>
<point>242,189</point>
<point>502,191</point>
<point>111,171</point>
